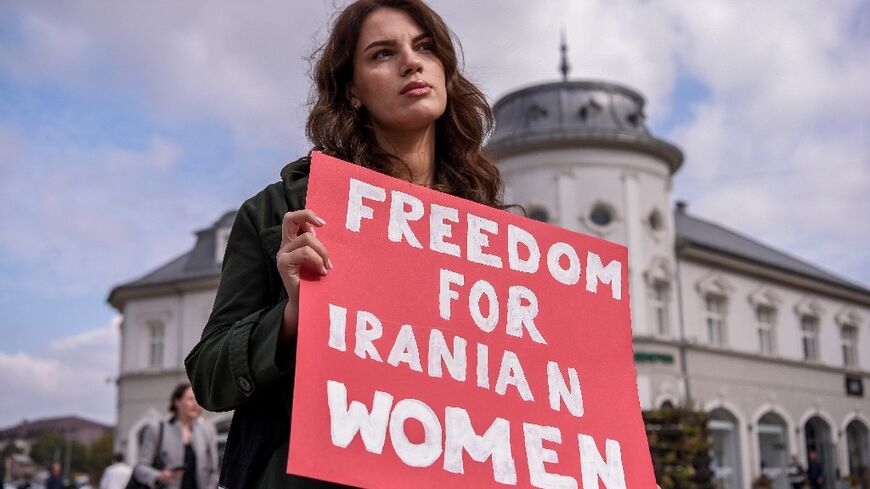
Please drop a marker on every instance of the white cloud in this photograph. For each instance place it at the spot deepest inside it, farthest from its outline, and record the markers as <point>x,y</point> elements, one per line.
<point>794,62</point>
<point>236,63</point>
<point>88,217</point>
<point>161,154</point>
<point>779,150</point>
<point>518,44</point>
<point>50,48</point>
<point>75,376</point>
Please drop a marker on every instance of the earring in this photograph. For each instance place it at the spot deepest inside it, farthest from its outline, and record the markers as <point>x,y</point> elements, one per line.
<point>356,105</point>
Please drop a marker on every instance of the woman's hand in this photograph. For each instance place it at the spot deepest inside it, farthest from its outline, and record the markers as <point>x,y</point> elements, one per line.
<point>167,476</point>
<point>300,251</point>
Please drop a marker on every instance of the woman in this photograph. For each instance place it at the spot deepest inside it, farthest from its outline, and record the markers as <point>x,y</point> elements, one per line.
<point>389,97</point>
<point>183,448</point>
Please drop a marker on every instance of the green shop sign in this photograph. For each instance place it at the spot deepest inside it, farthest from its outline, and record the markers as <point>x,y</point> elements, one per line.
<point>652,357</point>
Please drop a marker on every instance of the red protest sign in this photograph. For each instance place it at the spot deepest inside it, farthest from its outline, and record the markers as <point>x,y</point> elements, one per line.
<point>455,345</point>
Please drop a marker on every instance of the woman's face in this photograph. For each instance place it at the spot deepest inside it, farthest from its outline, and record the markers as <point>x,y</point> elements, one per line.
<point>396,76</point>
<point>186,406</point>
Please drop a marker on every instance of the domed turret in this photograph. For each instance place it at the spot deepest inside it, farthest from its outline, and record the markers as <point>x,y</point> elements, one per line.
<point>578,154</point>
<point>576,113</point>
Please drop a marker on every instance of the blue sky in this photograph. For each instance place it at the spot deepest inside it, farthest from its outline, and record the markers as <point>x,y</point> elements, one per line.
<point>125,127</point>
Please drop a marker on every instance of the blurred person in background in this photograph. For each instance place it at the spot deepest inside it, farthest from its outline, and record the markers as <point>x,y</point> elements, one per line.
<point>180,453</point>
<point>116,475</point>
<point>797,476</point>
<point>26,483</point>
<point>54,481</point>
<point>815,471</point>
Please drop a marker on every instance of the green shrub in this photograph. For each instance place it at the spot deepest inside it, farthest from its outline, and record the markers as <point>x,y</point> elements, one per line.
<point>679,443</point>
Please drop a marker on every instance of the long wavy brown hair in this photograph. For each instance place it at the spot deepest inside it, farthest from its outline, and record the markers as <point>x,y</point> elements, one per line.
<point>335,128</point>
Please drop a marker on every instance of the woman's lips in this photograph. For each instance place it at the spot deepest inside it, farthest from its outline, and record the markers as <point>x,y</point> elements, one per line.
<point>416,92</point>
<point>416,88</point>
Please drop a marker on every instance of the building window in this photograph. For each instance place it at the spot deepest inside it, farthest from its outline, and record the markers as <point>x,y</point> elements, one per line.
<point>157,337</point>
<point>810,337</point>
<point>715,309</point>
<point>659,301</point>
<point>539,213</point>
<point>601,215</point>
<point>849,337</point>
<point>765,316</point>
<point>655,221</point>
<point>725,440</point>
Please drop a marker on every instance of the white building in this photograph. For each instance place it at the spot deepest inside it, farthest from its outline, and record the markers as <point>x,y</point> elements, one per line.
<point>776,349</point>
<point>164,313</point>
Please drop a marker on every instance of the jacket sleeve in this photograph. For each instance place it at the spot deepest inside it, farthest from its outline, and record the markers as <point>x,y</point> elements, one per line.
<point>238,352</point>
<point>143,471</point>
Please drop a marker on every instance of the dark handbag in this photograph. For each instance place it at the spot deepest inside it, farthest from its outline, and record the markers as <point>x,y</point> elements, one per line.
<point>157,463</point>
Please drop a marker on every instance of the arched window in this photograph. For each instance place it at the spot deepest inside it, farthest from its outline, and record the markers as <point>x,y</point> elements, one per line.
<point>725,441</point>
<point>773,448</point>
<point>858,449</point>
<point>819,439</point>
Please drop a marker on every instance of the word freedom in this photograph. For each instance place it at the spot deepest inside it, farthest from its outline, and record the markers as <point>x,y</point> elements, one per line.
<point>405,209</point>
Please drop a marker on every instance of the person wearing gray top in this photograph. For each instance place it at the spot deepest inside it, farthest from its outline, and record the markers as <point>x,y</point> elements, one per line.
<point>165,444</point>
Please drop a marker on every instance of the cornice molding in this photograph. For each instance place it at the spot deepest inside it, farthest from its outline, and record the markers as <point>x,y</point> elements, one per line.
<point>739,266</point>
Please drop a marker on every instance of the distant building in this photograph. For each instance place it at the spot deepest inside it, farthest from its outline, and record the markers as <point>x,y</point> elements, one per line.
<point>73,428</point>
<point>18,467</point>
<point>776,349</point>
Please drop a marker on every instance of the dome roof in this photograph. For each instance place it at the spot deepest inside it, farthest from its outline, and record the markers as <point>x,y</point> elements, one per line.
<point>576,113</point>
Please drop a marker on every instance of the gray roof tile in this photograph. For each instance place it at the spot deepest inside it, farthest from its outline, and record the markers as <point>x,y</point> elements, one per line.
<point>199,262</point>
<point>714,237</point>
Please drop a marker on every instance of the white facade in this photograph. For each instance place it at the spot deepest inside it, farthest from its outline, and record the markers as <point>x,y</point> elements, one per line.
<point>572,183</point>
<point>764,343</point>
<point>744,295</point>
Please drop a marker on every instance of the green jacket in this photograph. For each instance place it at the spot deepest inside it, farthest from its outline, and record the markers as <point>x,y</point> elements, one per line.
<point>237,363</point>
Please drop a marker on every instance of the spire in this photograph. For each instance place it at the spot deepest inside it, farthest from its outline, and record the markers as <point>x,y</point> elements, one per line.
<point>564,66</point>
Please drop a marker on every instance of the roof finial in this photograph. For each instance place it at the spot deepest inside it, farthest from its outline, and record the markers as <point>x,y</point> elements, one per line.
<point>564,67</point>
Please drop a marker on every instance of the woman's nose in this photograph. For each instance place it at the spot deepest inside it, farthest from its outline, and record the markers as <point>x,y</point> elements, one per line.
<point>411,62</point>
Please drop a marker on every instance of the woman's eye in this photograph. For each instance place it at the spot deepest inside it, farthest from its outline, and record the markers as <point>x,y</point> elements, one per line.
<point>382,53</point>
<point>425,46</point>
